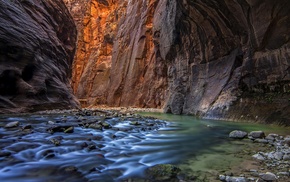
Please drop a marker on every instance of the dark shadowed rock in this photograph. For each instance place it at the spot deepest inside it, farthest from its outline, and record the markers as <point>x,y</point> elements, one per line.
<point>268,176</point>
<point>37,45</point>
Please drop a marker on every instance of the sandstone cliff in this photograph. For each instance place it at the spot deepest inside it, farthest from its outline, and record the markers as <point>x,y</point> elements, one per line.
<point>37,45</point>
<point>212,58</point>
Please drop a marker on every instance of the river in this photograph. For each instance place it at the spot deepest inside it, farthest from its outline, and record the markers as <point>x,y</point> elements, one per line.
<point>122,150</point>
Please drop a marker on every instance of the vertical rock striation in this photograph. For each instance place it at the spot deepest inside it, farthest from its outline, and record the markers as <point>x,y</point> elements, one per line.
<point>116,62</point>
<point>212,58</point>
<point>37,45</point>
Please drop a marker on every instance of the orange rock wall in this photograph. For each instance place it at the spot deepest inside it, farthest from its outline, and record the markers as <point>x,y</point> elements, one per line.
<point>212,58</point>
<point>116,62</point>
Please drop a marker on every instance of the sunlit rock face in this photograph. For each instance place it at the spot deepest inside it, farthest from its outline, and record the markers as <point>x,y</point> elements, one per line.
<point>212,58</point>
<point>37,45</point>
<point>116,62</point>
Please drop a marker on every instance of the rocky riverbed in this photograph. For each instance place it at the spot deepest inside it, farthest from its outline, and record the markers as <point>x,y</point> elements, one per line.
<point>75,145</point>
<point>270,160</point>
<point>120,145</point>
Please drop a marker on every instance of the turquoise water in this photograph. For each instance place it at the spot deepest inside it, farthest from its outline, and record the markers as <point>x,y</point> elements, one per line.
<point>205,146</point>
<point>191,124</point>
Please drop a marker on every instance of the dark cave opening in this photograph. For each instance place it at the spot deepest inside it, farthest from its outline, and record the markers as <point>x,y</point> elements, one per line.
<point>8,82</point>
<point>28,71</point>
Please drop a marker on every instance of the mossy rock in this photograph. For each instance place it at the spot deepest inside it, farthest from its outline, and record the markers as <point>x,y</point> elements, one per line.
<point>136,123</point>
<point>106,125</point>
<point>96,126</point>
<point>162,172</point>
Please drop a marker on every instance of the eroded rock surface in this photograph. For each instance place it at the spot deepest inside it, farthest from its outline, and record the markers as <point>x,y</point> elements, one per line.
<point>37,46</point>
<point>216,59</point>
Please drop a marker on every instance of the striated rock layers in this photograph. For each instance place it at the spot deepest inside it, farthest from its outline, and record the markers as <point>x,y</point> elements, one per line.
<point>37,45</point>
<point>212,58</point>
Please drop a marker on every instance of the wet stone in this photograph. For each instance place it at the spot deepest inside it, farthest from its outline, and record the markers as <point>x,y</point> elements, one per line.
<point>5,153</point>
<point>259,157</point>
<point>97,137</point>
<point>70,169</point>
<point>268,176</point>
<point>106,125</point>
<point>162,172</point>
<point>92,147</point>
<point>236,179</point>
<point>238,134</point>
<point>50,122</point>
<point>287,141</point>
<point>12,124</point>
<point>69,130</point>
<point>256,134</point>
<point>83,145</point>
<point>47,154</point>
<point>55,141</point>
<point>259,140</point>
<point>286,157</point>
<point>136,123</point>
<point>278,155</point>
<point>95,126</point>
<point>26,127</point>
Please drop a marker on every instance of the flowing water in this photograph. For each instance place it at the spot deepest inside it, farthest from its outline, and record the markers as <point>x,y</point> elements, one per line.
<point>124,150</point>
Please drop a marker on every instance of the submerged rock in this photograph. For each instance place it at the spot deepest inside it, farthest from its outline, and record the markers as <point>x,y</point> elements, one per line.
<point>5,153</point>
<point>162,172</point>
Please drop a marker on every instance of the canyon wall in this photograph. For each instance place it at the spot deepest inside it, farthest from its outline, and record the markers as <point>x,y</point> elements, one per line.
<point>226,59</point>
<point>37,45</point>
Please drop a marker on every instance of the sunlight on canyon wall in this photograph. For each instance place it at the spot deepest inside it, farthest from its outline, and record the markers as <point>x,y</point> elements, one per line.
<point>217,59</point>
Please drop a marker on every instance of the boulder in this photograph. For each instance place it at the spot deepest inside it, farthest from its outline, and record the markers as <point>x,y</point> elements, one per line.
<point>256,134</point>
<point>268,176</point>
<point>238,134</point>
